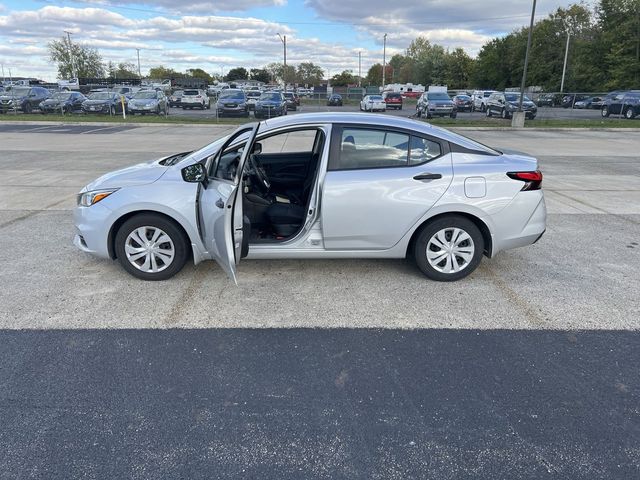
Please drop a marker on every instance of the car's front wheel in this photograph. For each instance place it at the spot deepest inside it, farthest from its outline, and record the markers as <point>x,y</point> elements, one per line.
<point>604,112</point>
<point>151,247</point>
<point>629,113</point>
<point>449,248</point>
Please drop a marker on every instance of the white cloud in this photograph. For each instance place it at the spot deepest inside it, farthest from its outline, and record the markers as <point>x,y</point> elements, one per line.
<point>194,6</point>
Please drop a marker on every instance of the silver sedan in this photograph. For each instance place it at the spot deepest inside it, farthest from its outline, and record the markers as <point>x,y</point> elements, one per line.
<point>325,185</point>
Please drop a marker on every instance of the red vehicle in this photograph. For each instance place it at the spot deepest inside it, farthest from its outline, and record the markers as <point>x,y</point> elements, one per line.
<point>393,100</point>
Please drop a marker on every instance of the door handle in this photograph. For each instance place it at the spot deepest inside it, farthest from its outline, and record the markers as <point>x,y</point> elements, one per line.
<point>428,176</point>
<point>219,203</point>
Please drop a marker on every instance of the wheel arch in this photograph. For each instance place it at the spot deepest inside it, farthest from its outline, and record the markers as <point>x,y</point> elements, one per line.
<point>482,226</point>
<point>115,227</point>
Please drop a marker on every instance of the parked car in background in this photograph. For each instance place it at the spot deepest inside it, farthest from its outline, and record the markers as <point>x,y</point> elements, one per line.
<point>589,102</point>
<point>148,101</point>
<point>436,104</point>
<point>334,100</point>
<point>232,102</point>
<point>252,98</point>
<point>63,102</point>
<point>569,100</point>
<point>393,100</point>
<point>25,99</point>
<point>504,104</point>
<point>293,100</point>
<point>480,98</point>
<point>463,103</point>
<point>175,99</point>
<point>390,187</point>
<point>622,103</point>
<point>126,91</point>
<point>195,99</point>
<point>549,100</point>
<point>270,104</point>
<point>104,102</point>
<point>373,103</point>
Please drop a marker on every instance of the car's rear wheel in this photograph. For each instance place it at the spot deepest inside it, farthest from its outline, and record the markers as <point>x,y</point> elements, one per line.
<point>449,248</point>
<point>488,112</point>
<point>629,113</point>
<point>504,114</point>
<point>27,108</point>
<point>151,247</point>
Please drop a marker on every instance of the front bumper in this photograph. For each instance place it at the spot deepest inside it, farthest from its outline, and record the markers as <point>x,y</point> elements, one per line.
<point>95,109</point>
<point>92,225</point>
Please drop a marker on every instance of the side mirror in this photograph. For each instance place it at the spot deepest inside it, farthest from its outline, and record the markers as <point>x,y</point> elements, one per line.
<point>195,173</point>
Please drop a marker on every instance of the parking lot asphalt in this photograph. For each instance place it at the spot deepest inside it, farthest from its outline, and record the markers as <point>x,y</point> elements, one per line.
<point>320,369</point>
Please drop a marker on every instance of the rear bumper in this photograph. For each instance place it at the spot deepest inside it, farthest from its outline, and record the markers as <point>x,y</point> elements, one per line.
<point>521,223</point>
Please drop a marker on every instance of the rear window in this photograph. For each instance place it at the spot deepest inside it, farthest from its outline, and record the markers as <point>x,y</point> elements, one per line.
<point>394,95</point>
<point>191,92</point>
<point>438,96</point>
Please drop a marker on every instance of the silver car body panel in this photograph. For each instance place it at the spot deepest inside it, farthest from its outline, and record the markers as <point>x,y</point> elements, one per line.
<point>474,183</point>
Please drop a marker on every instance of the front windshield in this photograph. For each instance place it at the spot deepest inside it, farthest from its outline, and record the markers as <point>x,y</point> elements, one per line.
<point>253,94</point>
<point>232,96</point>
<point>275,97</point>
<point>438,96</point>
<point>19,92</point>
<point>515,97</point>
<point>61,96</point>
<point>145,95</point>
<point>100,96</point>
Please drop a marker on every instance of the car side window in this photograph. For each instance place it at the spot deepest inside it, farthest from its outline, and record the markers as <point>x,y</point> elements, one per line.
<point>289,142</point>
<point>422,150</point>
<point>369,148</point>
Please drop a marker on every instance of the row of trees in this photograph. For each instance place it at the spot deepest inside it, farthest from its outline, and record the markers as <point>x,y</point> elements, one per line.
<point>604,53</point>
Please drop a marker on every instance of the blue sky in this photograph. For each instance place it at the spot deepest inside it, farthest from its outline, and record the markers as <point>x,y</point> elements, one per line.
<point>218,35</point>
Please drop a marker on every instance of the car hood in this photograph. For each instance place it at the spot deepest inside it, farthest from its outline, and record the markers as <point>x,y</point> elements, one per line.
<point>51,102</point>
<point>143,101</point>
<point>9,97</point>
<point>96,102</point>
<point>140,174</point>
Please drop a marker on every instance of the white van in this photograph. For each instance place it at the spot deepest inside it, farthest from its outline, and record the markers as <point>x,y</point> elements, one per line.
<point>480,98</point>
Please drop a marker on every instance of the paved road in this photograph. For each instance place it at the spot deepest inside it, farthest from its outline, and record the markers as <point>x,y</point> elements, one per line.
<point>358,369</point>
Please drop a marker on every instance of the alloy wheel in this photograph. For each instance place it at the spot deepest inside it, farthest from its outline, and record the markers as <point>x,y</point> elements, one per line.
<point>450,250</point>
<point>149,249</point>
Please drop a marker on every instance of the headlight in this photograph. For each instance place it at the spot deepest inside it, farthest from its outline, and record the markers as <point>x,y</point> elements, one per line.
<point>87,199</point>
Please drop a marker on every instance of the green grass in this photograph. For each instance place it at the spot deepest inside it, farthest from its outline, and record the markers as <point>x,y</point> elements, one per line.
<point>461,121</point>
<point>75,118</point>
<point>537,123</point>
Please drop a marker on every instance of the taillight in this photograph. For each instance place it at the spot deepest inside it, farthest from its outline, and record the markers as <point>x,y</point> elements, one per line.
<point>533,180</point>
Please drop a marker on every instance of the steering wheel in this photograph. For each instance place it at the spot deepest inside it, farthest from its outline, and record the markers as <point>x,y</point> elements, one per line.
<point>256,171</point>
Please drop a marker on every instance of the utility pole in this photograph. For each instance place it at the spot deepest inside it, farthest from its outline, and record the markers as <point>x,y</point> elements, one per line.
<point>284,72</point>
<point>139,74</point>
<point>360,69</point>
<point>526,57</point>
<point>73,63</point>
<point>384,59</point>
<point>566,55</point>
<point>4,79</point>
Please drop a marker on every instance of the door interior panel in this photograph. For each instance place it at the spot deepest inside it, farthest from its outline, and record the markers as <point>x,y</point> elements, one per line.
<point>285,169</point>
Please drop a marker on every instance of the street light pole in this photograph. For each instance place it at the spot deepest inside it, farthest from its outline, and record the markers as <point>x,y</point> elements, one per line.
<point>384,58</point>
<point>139,74</point>
<point>73,63</point>
<point>566,55</point>
<point>360,69</point>
<point>284,72</point>
<point>526,56</point>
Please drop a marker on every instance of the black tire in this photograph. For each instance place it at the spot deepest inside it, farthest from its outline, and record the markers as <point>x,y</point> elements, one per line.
<point>112,110</point>
<point>488,112</point>
<point>453,115</point>
<point>503,114</point>
<point>429,230</point>
<point>483,107</point>
<point>27,108</point>
<point>180,243</point>
<point>629,114</point>
<point>605,111</point>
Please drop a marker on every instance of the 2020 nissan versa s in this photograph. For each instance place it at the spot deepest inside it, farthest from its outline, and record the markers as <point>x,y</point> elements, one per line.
<point>324,185</point>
